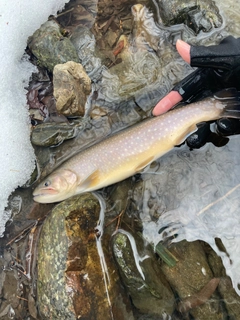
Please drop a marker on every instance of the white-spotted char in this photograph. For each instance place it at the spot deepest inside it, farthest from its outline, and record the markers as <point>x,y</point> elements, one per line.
<point>128,152</point>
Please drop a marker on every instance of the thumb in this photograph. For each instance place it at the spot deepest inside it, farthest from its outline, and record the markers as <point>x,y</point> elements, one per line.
<point>183,49</point>
<point>173,97</point>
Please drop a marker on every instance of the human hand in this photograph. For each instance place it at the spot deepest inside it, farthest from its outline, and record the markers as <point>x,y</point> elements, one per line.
<point>219,69</point>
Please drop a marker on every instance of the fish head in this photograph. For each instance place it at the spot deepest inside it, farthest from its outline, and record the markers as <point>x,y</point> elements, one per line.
<point>58,186</point>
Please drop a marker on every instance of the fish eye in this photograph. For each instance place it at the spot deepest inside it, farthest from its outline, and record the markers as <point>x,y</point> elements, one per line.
<point>47,183</point>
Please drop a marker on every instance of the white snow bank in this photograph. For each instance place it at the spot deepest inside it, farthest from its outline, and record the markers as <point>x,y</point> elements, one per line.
<point>18,20</point>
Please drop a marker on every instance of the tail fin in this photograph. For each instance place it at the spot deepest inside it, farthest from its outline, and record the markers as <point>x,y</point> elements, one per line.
<point>231,98</point>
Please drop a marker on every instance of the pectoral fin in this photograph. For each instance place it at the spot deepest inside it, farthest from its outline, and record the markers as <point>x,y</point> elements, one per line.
<point>143,164</point>
<point>91,181</point>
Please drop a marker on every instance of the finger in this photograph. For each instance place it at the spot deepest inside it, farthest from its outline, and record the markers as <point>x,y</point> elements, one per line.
<point>167,103</point>
<point>173,97</point>
<point>183,49</point>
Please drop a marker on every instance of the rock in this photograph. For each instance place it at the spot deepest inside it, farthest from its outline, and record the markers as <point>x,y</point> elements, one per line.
<point>78,12</point>
<point>10,306</point>
<point>75,285</point>
<point>50,46</point>
<point>148,61</point>
<point>84,42</point>
<point>53,134</point>
<point>36,115</point>
<point>230,297</point>
<point>198,16</point>
<point>190,275</point>
<point>225,288</point>
<point>147,287</point>
<point>71,88</point>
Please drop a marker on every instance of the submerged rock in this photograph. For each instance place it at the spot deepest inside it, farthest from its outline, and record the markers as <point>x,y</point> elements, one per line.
<point>198,16</point>
<point>147,287</point>
<point>231,298</point>
<point>149,61</point>
<point>50,46</point>
<point>189,276</point>
<point>53,134</point>
<point>78,12</point>
<point>225,288</point>
<point>71,88</point>
<point>84,42</point>
<point>77,284</point>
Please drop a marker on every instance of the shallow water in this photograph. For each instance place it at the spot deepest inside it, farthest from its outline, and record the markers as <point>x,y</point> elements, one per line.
<point>190,195</point>
<point>196,194</point>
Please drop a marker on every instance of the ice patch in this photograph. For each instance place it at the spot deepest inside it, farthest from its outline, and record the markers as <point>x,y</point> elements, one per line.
<point>196,196</point>
<point>18,20</point>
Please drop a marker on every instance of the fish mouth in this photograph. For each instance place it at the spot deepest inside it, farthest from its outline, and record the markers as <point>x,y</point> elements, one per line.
<point>45,191</point>
<point>44,194</point>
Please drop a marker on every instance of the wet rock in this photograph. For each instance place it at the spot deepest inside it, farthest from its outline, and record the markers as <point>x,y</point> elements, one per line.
<point>148,61</point>
<point>78,12</point>
<point>145,34</point>
<point>75,285</point>
<point>85,43</point>
<point>24,211</point>
<point>231,298</point>
<point>15,283</point>
<point>225,288</point>
<point>50,46</point>
<point>199,20</point>
<point>125,79</point>
<point>53,134</point>
<point>214,260</point>
<point>149,291</point>
<point>71,88</point>
<point>36,116</point>
<point>119,195</point>
<point>203,16</point>
<point>190,275</point>
<point>10,306</point>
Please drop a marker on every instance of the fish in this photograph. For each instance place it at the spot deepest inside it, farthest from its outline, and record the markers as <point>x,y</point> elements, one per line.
<point>129,151</point>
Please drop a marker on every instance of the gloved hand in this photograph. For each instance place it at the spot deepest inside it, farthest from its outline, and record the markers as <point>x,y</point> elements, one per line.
<point>219,68</point>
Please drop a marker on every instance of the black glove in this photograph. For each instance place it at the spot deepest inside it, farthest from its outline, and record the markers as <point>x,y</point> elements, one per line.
<point>219,69</point>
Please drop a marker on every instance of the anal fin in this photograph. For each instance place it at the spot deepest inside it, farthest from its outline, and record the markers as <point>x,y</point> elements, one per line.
<point>183,137</point>
<point>143,164</point>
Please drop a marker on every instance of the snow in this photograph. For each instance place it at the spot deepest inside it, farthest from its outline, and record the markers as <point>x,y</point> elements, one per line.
<point>18,20</point>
